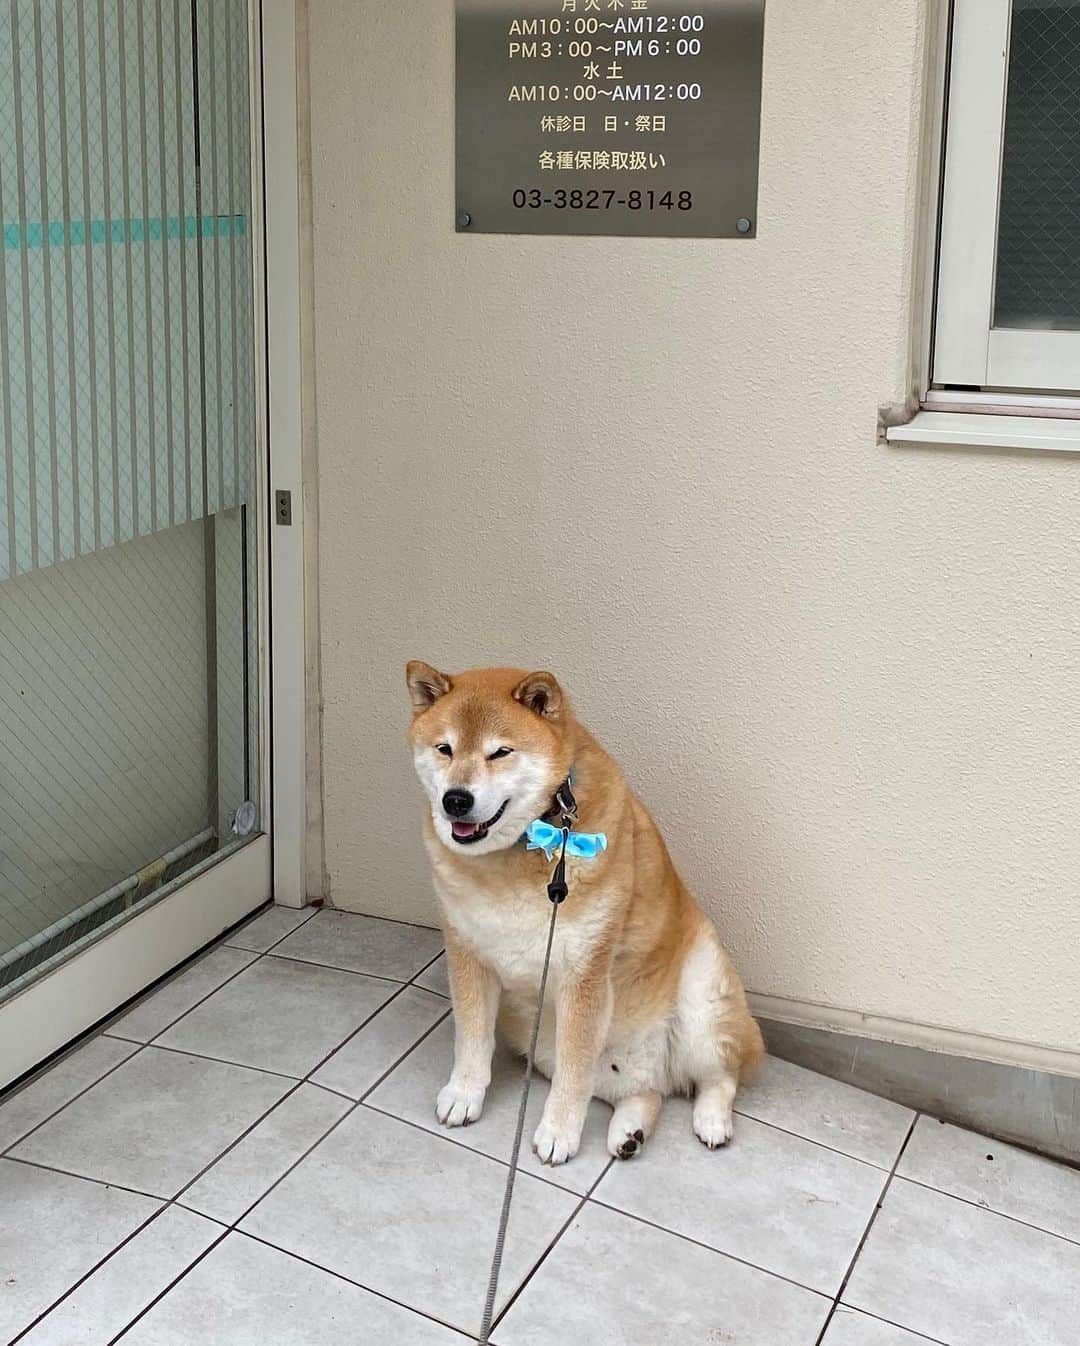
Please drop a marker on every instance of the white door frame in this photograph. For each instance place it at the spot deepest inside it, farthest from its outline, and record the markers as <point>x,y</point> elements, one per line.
<point>281,186</point>
<point>79,992</point>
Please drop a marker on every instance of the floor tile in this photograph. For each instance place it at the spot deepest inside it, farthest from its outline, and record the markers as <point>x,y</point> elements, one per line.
<point>129,1281</point>
<point>828,1111</point>
<point>356,1066</point>
<point>611,1280</point>
<point>280,1015</point>
<point>966,1276</point>
<point>246,1172</point>
<point>770,1198</point>
<point>175,997</point>
<point>851,1328</point>
<point>58,1085</point>
<point>269,927</point>
<point>54,1230</point>
<point>409,1215</point>
<point>363,944</point>
<point>245,1293</point>
<point>436,977</point>
<point>410,1092</point>
<point>155,1122</point>
<point>994,1175</point>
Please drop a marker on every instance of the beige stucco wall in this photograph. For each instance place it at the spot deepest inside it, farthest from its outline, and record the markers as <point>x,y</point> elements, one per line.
<point>845,677</point>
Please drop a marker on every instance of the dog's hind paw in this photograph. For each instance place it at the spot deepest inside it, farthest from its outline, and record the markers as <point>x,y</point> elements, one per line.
<point>632,1124</point>
<point>625,1146</point>
<point>458,1105</point>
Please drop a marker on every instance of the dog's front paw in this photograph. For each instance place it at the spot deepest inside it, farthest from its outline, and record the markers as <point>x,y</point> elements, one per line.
<point>554,1143</point>
<point>459,1104</point>
<point>712,1125</point>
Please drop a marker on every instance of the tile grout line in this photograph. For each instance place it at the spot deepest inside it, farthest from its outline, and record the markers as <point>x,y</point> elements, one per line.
<point>866,1232</point>
<point>175,1281</point>
<point>918,1336</point>
<point>445,1134</point>
<point>708,1247</point>
<point>305,1079</point>
<point>388,920</point>
<point>339,1275</point>
<point>437,1134</point>
<point>314,911</point>
<point>231,1228</point>
<point>165,1202</point>
<point>223,1060</point>
<point>192,962</point>
<point>362,1101</point>
<point>5,1153</point>
<point>145,1224</point>
<point>330,967</point>
<point>96,1031</point>
<point>988,1210</point>
<point>497,1322</point>
<point>98,1182</point>
<point>139,1046</point>
<point>798,1135</point>
<point>175,1198</point>
<point>325,1088</point>
<point>347,1113</point>
<point>257,956</point>
<point>427,966</point>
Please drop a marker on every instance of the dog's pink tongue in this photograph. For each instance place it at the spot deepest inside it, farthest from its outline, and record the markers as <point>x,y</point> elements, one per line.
<point>464,829</point>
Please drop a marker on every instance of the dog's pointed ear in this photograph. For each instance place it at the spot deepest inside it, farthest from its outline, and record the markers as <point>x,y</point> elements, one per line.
<point>426,684</point>
<point>541,693</point>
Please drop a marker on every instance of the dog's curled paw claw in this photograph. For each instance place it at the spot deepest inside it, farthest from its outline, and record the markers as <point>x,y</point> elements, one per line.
<point>458,1105</point>
<point>555,1144</point>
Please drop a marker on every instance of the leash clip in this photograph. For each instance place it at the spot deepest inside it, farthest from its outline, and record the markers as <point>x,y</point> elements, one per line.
<point>564,797</point>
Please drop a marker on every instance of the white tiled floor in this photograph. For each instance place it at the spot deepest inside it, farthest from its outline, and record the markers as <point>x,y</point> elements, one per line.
<point>249,1155</point>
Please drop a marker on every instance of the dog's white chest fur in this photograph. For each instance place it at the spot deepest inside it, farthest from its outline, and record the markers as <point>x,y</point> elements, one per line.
<point>510,933</point>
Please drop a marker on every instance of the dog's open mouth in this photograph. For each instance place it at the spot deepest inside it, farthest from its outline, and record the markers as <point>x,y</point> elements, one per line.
<point>466,833</point>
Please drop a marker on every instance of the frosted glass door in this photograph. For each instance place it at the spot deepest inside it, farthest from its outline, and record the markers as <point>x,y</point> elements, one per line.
<point>129,545</point>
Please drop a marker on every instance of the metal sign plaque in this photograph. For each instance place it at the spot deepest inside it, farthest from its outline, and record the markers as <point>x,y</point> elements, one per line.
<point>636,117</point>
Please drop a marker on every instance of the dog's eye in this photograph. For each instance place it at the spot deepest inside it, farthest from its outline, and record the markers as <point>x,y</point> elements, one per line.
<point>445,749</point>
<point>499,752</point>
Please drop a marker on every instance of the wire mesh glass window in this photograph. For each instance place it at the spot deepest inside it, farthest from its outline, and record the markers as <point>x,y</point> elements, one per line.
<point>129,696</point>
<point>1038,264</point>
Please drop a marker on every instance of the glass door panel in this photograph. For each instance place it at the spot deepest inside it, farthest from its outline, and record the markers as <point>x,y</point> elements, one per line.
<point>130,543</point>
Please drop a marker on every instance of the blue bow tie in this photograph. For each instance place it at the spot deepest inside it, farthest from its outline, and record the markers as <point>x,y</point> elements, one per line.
<point>542,836</point>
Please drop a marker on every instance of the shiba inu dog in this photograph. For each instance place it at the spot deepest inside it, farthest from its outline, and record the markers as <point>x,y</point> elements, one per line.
<point>642,1001</point>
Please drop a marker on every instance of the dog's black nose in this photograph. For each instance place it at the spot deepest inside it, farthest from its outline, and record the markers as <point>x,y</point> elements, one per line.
<point>457,803</point>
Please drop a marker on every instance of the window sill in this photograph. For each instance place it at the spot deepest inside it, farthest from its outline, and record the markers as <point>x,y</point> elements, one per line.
<point>1038,433</point>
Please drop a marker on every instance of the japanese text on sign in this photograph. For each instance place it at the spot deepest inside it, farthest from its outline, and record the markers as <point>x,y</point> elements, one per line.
<point>608,116</point>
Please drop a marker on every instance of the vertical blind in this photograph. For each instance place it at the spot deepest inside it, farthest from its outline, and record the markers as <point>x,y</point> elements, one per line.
<point>125,283</point>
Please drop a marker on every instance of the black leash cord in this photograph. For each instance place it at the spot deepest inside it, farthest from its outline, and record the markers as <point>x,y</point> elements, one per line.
<point>557,891</point>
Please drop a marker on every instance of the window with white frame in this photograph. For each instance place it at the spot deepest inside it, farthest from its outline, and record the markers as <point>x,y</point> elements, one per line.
<point>1008,295</point>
